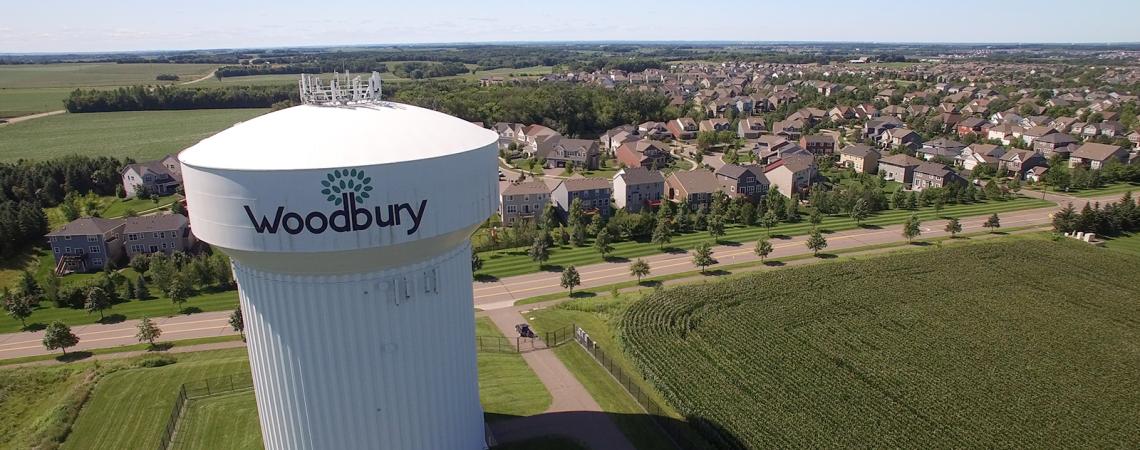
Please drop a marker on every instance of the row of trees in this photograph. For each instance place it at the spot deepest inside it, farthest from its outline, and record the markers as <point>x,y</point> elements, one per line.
<point>419,69</point>
<point>148,98</point>
<point>1108,220</point>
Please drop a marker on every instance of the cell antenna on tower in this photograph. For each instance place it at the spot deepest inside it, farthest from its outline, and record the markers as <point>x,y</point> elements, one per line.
<point>339,91</point>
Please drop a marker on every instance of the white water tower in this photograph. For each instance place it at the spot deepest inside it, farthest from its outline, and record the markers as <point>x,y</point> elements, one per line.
<point>348,221</point>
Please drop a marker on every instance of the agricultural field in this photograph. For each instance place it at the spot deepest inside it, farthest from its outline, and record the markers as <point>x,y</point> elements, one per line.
<point>928,349</point>
<point>509,262</point>
<point>24,101</point>
<point>143,135</point>
<point>73,75</point>
<point>261,80</point>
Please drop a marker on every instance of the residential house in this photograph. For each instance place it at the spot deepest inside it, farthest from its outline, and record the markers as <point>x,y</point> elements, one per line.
<point>900,137</point>
<point>790,129</point>
<point>532,135</point>
<point>751,128</point>
<point>157,233</point>
<point>653,130</point>
<point>683,128</point>
<point>970,125</point>
<point>694,186</point>
<point>559,151</point>
<point>874,128</point>
<point>1036,174</point>
<point>162,177</point>
<point>524,200</point>
<point>714,125</point>
<point>1020,161</point>
<point>976,154</point>
<point>899,168</point>
<point>940,148</point>
<point>1049,144</point>
<point>933,175</point>
<point>1037,132</point>
<point>1095,156</point>
<point>819,144</point>
<point>87,244</point>
<point>594,192</point>
<point>638,187</point>
<point>861,158</point>
<point>646,153</point>
<point>742,181</point>
<point>792,175</point>
<point>1006,133</point>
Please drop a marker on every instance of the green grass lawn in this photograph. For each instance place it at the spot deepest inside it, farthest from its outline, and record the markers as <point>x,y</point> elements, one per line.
<point>224,421</point>
<point>509,262</point>
<point>507,386</point>
<point>899,351</point>
<point>1115,188</point>
<point>111,207</point>
<point>1129,243</point>
<point>129,408</point>
<point>73,75</point>
<point>32,400</point>
<point>160,306</point>
<point>143,135</point>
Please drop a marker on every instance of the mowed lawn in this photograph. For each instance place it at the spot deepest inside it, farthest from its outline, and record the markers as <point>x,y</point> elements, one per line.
<point>1020,343</point>
<point>226,421</point>
<point>1129,243</point>
<point>143,135</point>
<point>504,263</point>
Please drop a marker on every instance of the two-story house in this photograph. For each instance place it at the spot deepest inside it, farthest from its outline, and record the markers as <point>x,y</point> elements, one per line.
<point>819,144</point>
<point>862,158</point>
<point>940,148</point>
<point>162,177</point>
<point>1050,144</point>
<point>645,153</point>
<point>1095,156</point>
<point>1020,161</point>
<point>899,168</point>
<point>565,152</point>
<point>165,233</point>
<point>86,244</point>
<point>976,154</point>
<point>683,128</point>
<point>694,186</point>
<point>792,174</point>
<point>900,137</point>
<point>595,194</point>
<point>521,201</point>
<point>933,175</point>
<point>636,188</point>
<point>751,128</point>
<point>742,181</point>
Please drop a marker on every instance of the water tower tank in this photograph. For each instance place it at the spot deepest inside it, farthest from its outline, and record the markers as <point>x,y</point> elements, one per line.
<point>348,225</point>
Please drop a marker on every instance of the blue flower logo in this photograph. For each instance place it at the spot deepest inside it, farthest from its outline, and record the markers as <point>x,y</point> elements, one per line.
<point>342,181</point>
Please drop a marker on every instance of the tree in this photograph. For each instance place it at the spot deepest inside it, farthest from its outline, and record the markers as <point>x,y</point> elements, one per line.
<point>912,228</point>
<point>768,220</point>
<point>602,242</point>
<point>550,217</point>
<point>898,199</point>
<point>141,291</point>
<point>59,335</point>
<point>1065,219</point>
<point>178,208</point>
<point>662,234</point>
<point>237,322</point>
<point>179,290</point>
<point>575,215</point>
<point>639,268</point>
<point>860,211</point>
<point>716,227</point>
<point>993,222</point>
<point>953,226</point>
<point>703,256</point>
<point>570,278</point>
<point>28,285</point>
<point>19,306</point>
<point>816,242</point>
<point>763,249</point>
<point>97,301</point>
<point>815,218</point>
<point>476,262</point>
<point>141,263</point>
<point>148,331</point>
<point>538,251</point>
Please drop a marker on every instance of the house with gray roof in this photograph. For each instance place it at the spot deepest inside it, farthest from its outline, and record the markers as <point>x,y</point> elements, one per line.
<point>940,148</point>
<point>559,151</point>
<point>521,201</point>
<point>158,233</point>
<point>86,244</point>
<point>859,157</point>
<point>742,181</point>
<point>934,175</point>
<point>595,194</point>
<point>162,177</point>
<point>1096,156</point>
<point>899,168</point>
<point>694,186</point>
<point>638,187</point>
<point>792,175</point>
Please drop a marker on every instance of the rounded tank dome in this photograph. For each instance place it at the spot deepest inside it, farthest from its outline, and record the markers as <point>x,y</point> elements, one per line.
<point>320,137</point>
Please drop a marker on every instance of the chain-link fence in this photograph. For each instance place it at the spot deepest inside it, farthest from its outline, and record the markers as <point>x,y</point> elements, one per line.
<point>691,434</point>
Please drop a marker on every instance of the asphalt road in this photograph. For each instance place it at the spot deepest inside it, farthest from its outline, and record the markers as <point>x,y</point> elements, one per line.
<point>495,295</point>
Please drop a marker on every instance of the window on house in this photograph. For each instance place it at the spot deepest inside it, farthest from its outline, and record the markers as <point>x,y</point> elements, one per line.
<point>92,239</point>
<point>97,261</point>
<point>55,249</point>
<point>157,235</point>
<point>132,237</point>
<point>93,249</point>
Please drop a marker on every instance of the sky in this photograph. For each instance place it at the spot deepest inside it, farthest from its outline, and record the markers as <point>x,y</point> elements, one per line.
<point>28,26</point>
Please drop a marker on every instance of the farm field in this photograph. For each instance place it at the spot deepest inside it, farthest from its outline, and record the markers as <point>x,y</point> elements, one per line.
<point>508,262</point>
<point>73,75</point>
<point>902,351</point>
<point>259,80</point>
<point>143,135</point>
<point>24,101</point>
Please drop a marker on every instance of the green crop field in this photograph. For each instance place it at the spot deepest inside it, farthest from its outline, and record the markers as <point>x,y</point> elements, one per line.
<point>143,135</point>
<point>75,75</point>
<point>24,101</point>
<point>1025,343</point>
<point>503,263</point>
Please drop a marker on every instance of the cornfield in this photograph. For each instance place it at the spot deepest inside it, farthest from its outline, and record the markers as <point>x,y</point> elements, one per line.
<point>1025,343</point>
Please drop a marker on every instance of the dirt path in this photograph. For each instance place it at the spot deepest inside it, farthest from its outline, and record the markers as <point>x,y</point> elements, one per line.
<point>32,116</point>
<point>207,77</point>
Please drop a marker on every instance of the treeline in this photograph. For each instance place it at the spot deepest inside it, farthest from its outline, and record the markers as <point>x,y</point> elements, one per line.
<point>1110,220</point>
<point>28,187</point>
<point>293,69</point>
<point>148,98</point>
<point>623,64</point>
<point>571,109</point>
<point>417,70</point>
